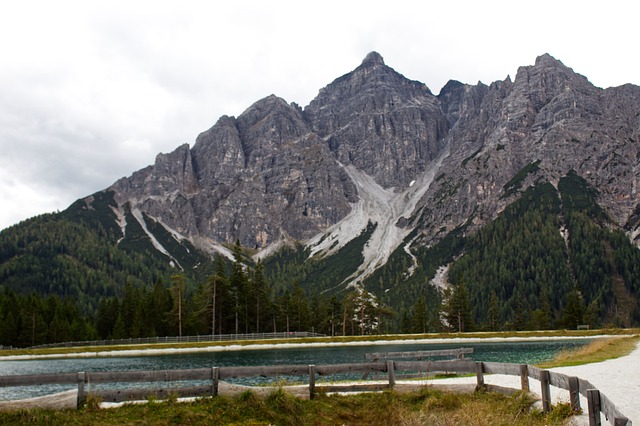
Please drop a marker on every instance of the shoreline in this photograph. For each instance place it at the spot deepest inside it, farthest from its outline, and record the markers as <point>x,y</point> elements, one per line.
<point>266,346</point>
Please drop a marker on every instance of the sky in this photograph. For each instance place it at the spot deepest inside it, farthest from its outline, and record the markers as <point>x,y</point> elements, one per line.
<point>91,91</point>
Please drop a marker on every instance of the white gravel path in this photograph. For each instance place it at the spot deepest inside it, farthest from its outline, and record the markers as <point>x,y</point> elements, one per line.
<point>618,379</point>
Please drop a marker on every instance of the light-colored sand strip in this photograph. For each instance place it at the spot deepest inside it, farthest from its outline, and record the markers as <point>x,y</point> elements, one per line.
<point>298,344</point>
<point>57,401</point>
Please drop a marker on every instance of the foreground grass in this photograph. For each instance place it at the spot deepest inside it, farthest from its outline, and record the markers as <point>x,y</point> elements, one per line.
<point>425,407</point>
<point>52,352</point>
<point>597,351</point>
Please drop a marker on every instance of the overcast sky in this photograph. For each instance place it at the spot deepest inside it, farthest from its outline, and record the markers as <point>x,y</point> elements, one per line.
<point>92,91</point>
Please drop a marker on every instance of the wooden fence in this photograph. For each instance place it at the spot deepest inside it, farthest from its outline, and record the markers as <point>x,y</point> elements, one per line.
<point>598,403</point>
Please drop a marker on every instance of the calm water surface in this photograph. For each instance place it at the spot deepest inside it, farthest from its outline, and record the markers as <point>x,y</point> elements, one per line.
<point>529,352</point>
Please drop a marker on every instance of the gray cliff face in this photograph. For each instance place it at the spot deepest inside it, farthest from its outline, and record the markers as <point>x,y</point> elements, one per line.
<point>278,171</point>
<point>549,115</point>
<point>258,178</point>
<point>379,121</point>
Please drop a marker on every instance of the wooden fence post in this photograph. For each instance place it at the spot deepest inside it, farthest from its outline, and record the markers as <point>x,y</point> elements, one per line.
<point>620,421</point>
<point>215,380</point>
<point>81,397</point>
<point>524,377</point>
<point>574,393</point>
<point>391,371</point>
<point>480,375</point>
<point>593,400</point>
<point>312,381</point>
<point>545,385</point>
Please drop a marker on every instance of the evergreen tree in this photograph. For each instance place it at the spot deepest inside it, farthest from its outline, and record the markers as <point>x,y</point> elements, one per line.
<point>419,319</point>
<point>300,312</point>
<point>159,309</point>
<point>494,312</point>
<point>541,318</point>
<point>260,292</point>
<point>218,287</point>
<point>178,287</point>
<point>573,310</point>
<point>238,289</point>
<point>457,309</point>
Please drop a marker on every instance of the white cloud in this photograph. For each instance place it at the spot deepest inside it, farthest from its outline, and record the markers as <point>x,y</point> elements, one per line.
<point>90,92</point>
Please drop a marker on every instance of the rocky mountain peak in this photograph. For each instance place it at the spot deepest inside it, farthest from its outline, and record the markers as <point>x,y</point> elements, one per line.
<point>365,117</point>
<point>546,60</point>
<point>372,59</point>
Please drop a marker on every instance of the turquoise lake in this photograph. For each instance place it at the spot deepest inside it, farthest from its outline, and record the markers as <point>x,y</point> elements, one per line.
<point>523,352</point>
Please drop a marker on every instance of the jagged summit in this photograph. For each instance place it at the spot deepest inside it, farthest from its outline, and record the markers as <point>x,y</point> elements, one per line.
<point>547,60</point>
<point>372,58</point>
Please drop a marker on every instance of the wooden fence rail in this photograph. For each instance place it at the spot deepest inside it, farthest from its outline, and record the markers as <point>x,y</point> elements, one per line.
<point>597,402</point>
<point>455,353</point>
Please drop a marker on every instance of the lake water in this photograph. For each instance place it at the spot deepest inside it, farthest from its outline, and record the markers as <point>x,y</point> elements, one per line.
<point>525,352</point>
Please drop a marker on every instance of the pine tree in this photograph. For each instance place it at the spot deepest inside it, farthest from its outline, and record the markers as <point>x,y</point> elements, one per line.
<point>573,310</point>
<point>494,312</point>
<point>260,293</point>
<point>238,287</point>
<point>419,318</point>
<point>178,290</point>
<point>457,308</point>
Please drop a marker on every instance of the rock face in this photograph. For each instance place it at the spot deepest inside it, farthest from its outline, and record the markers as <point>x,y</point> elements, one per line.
<point>279,172</point>
<point>548,115</point>
<point>382,123</point>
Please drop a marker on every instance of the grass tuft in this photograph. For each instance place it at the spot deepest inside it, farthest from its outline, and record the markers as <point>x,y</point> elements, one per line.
<point>597,351</point>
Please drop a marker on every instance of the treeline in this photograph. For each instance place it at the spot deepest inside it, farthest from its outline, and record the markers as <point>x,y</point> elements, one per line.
<point>27,320</point>
<point>235,298</point>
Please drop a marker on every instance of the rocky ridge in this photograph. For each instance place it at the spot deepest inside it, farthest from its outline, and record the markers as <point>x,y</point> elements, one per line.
<point>376,146</point>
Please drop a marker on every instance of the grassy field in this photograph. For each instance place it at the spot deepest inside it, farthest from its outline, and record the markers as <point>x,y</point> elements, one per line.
<point>597,351</point>
<point>425,407</point>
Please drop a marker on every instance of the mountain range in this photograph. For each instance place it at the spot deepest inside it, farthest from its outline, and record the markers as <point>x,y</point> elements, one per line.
<point>524,190</point>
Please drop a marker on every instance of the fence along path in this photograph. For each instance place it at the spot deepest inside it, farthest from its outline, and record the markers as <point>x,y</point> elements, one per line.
<point>174,381</point>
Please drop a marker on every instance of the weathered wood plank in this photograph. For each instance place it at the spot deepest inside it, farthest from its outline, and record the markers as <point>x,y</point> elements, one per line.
<point>215,381</point>
<point>374,387</point>
<point>148,376</point>
<point>312,381</point>
<point>264,371</point>
<point>608,408</point>
<point>480,375</point>
<point>584,386</point>
<point>440,366</point>
<point>524,377</point>
<point>593,400</point>
<point>39,379</point>
<point>458,353</point>
<point>574,393</point>
<point>501,368</point>
<point>141,394</point>
<point>391,371</point>
<point>534,372</point>
<point>325,370</point>
<point>545,391</point>
<point>559,380</point>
